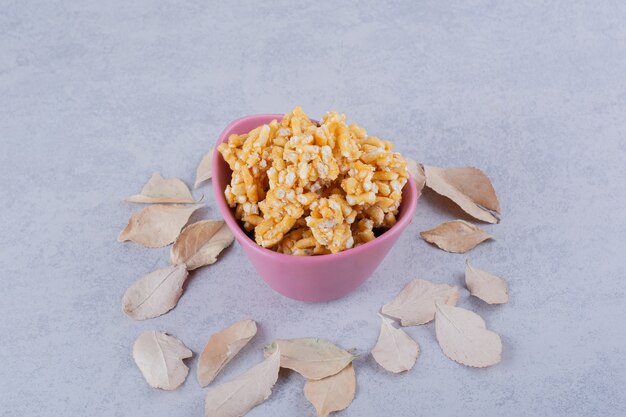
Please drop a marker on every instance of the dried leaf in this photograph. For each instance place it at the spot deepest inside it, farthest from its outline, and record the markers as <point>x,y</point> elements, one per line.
<point>235,398</point>
<point>468,187</point>
<point>395,350</point>
<point>464,338</point>
<point>203,172</point>
<point>456,236</point>
<point>154,294</point>
<point>158,225</point>
<point>488,287</point>
<point>415,304</point>
<point>333,393</point>
<point>200,243</point>
<point>310,357</point>
<point>222,347</point>
<point>416,171</point>
<point>159,357</point>
<point>161,190</point>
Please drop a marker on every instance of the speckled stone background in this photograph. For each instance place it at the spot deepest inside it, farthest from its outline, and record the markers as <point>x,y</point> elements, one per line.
<point>97,95</point>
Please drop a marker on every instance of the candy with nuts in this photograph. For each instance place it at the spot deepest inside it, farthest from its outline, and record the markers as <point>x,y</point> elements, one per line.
<point>305,188</point>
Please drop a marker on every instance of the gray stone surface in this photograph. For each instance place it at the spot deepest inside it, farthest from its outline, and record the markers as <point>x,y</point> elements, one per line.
<point>96,95</point>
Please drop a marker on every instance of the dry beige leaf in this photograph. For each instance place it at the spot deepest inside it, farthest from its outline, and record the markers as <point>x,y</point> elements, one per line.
<point>235,398</point>
<point>415,304</point>
<point>464,338</point>
<point>333,393</point>
<point>203,172</point>
<point>488,287</point>
<point>222,347</point>
<point>159,357</point>
<point>161,190</point>
<point>395,350</point>
<point>158,225</point>
<point>468,187</point>
<point>200,243</point>
<point>416,171</point>
<point>154,294</point>
<point>311,357</point>
<point>456,236</point>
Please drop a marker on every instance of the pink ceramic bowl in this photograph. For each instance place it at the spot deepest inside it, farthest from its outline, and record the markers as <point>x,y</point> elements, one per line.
<point>307,278</point>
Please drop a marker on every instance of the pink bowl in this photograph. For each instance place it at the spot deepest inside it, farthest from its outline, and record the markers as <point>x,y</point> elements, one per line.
<point>307,278</point>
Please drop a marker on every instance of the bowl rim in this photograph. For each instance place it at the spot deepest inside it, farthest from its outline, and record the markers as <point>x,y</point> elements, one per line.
<point>408,191</point>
